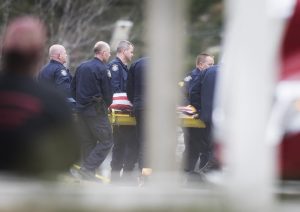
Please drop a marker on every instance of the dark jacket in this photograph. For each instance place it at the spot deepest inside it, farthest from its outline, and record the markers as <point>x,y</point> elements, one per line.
<point>91,86</point>
<point>55,73</point>
<point>136,83</point>
<point>202,93</point>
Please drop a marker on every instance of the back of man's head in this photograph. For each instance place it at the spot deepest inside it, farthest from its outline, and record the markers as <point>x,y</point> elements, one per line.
<point>123,45</point>
<point>204,61</point>
<point>22,45</point>
<point>100,46</point>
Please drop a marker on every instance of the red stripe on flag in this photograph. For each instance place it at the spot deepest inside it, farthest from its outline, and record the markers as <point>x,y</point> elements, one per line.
<point>120,98</point>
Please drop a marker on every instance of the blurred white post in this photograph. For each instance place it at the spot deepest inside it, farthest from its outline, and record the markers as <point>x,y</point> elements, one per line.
<point>166,50</point>
<point>121,32</point>
<point>246,90</point>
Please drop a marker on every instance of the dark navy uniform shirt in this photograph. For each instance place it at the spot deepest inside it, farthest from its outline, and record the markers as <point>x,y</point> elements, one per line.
<point>190,78</point>
<point>119,73</point>
<point>91,85</point>
<point>136,83</point>
<point>188,83</point>
<point>58,75</point>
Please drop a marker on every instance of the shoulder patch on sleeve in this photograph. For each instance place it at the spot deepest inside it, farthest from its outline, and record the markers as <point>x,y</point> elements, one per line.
<point>108,73</point>
<point>188,78</point>
<point>63,72</point>
<point>115,67</point>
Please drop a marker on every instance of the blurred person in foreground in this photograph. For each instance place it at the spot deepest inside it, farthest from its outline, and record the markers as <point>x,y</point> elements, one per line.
<point>124,153</point>
<point>91,88</point>
<point>36,132</point>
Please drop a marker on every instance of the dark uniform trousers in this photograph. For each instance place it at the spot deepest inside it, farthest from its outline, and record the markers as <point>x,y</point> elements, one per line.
<point>197,141</point>
<point>96,139</point>
<point>124,153</point>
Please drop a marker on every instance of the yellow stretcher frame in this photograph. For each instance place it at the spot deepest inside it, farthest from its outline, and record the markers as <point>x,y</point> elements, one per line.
<point>126,119</point>
<point>189,121</point>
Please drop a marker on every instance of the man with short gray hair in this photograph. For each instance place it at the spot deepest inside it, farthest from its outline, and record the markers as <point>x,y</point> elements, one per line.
<point>124,154</point>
